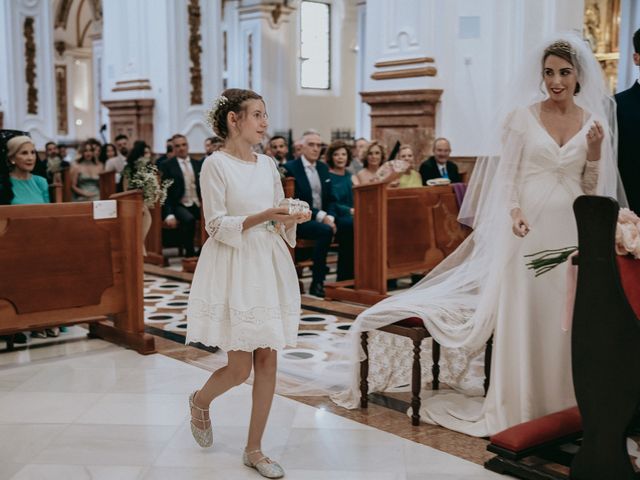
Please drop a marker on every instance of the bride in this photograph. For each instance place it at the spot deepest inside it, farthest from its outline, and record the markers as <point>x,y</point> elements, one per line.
<point>557,142</point>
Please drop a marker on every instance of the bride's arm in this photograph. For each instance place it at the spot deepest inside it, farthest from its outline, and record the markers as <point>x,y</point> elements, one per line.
<point>590,175</point>
<point>591,171</point>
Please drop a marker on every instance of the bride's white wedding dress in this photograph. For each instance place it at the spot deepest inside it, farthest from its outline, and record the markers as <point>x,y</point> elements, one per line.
<point>531,364</point>
<point>475,292</point>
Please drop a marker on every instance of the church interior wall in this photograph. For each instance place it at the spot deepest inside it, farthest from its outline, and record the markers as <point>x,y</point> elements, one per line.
<point>332,109</point>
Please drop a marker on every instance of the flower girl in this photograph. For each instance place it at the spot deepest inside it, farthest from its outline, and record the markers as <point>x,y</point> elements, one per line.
<point>244,296</point>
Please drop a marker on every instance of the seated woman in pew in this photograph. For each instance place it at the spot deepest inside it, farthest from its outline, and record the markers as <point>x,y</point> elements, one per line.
<point>409,178</point>
<point>18,186</point>
<point>374,166</point>
<point>85,175</point>
<point>339,158</point>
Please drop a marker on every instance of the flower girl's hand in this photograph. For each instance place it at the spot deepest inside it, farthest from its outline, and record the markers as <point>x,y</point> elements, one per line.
<point>520,225</point>
<point>278,214</point>
<point>595,135</point>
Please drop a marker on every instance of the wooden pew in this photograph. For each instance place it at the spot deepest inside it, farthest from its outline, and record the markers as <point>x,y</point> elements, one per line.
<point>107,184</point>
<point>153,242</point>
<point>65,268</point>
<point>55,193</point>
<point>67,194</point>
<point>397,232</point>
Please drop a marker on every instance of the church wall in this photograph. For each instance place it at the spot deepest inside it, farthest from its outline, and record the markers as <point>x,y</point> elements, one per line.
<point>333,109</point>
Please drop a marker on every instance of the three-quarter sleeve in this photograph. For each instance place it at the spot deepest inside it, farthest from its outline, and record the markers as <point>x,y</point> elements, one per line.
<point>219,225</point>
<point>288,234</point>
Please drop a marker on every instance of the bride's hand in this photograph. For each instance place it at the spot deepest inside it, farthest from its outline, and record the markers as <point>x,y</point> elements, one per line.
<point>595,135</point>
<point>520,226</point>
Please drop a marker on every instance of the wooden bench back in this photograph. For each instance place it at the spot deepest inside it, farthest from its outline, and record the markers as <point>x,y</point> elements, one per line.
<point>62,266</point>
<point>402,231</point>
<point>107,184</point>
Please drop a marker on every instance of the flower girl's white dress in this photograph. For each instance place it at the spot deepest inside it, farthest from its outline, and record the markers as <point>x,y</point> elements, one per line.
<point>245,292</point>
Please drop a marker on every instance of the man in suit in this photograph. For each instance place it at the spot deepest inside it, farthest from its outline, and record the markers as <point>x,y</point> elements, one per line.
<point>182,207</point>
<point>52,164</point>
<point>117,163</point>
<point>279,149</point>
<point>313,185</point>
<point>628,112</point>
<point>439,165</point>
<point>212,144</point>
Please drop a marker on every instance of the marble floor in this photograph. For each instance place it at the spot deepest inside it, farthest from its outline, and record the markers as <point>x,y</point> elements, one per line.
<point>86,409</point>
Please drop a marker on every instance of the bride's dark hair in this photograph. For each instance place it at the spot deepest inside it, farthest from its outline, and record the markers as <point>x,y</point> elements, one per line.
<point>563,50</point>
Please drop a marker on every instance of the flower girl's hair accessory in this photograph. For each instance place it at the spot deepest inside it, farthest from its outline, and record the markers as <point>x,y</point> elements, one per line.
<point>211,113</point>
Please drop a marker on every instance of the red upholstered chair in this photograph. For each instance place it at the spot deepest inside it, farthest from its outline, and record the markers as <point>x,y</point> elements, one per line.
<point>414,329</point>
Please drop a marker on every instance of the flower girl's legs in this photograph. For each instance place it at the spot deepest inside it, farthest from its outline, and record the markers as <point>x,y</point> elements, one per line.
<point>264,384</point>
<point>236,371</point>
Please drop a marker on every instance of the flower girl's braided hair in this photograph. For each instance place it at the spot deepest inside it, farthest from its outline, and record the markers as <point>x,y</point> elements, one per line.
<point>231,100</point>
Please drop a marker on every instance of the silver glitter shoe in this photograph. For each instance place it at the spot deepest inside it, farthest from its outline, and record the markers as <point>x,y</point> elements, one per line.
<point>265,466</point>
<point>203,437</point>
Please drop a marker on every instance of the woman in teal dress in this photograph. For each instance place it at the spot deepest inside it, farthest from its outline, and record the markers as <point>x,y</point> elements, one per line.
<point>18,186</point>
<point>338,158</point>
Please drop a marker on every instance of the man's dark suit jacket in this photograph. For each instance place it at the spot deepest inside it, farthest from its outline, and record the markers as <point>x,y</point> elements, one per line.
<point>170,169</point>
<point>429,169</point>
<point>295,169</point>
<point>628,113</point>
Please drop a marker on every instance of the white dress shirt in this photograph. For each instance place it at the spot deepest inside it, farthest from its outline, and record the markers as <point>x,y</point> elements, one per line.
<point>316,189</point>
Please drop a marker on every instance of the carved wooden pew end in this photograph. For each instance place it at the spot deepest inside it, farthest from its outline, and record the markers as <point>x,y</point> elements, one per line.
<point>67,267</point>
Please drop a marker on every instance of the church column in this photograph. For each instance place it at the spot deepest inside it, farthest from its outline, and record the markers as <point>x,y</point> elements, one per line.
<point>261,40</point>
<point>127,91</point>
<point>397,77</point>
<point>161,68</point>
<point>27,94</point>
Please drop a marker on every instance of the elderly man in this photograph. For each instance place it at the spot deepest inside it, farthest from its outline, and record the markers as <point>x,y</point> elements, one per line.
<point>439,165</point>
<point>182,207</point>
<point>313,185</point>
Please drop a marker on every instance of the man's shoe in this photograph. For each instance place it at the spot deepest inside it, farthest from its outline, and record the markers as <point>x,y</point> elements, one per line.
<point>317,290</point>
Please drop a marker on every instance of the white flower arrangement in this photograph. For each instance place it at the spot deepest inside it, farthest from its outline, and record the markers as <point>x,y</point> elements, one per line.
<point>211,113</point>
<point>145,178</point>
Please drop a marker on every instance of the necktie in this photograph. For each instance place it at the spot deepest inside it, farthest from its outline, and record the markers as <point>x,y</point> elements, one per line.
<point>443,172</point>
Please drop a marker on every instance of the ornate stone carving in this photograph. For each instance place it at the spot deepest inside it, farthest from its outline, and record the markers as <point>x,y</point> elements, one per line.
<point>60,47</point>
<point>601,29</point>
<point>61,99</point>
<point>195,51</point>
<point>62,14</point>
<point>30,65</point>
